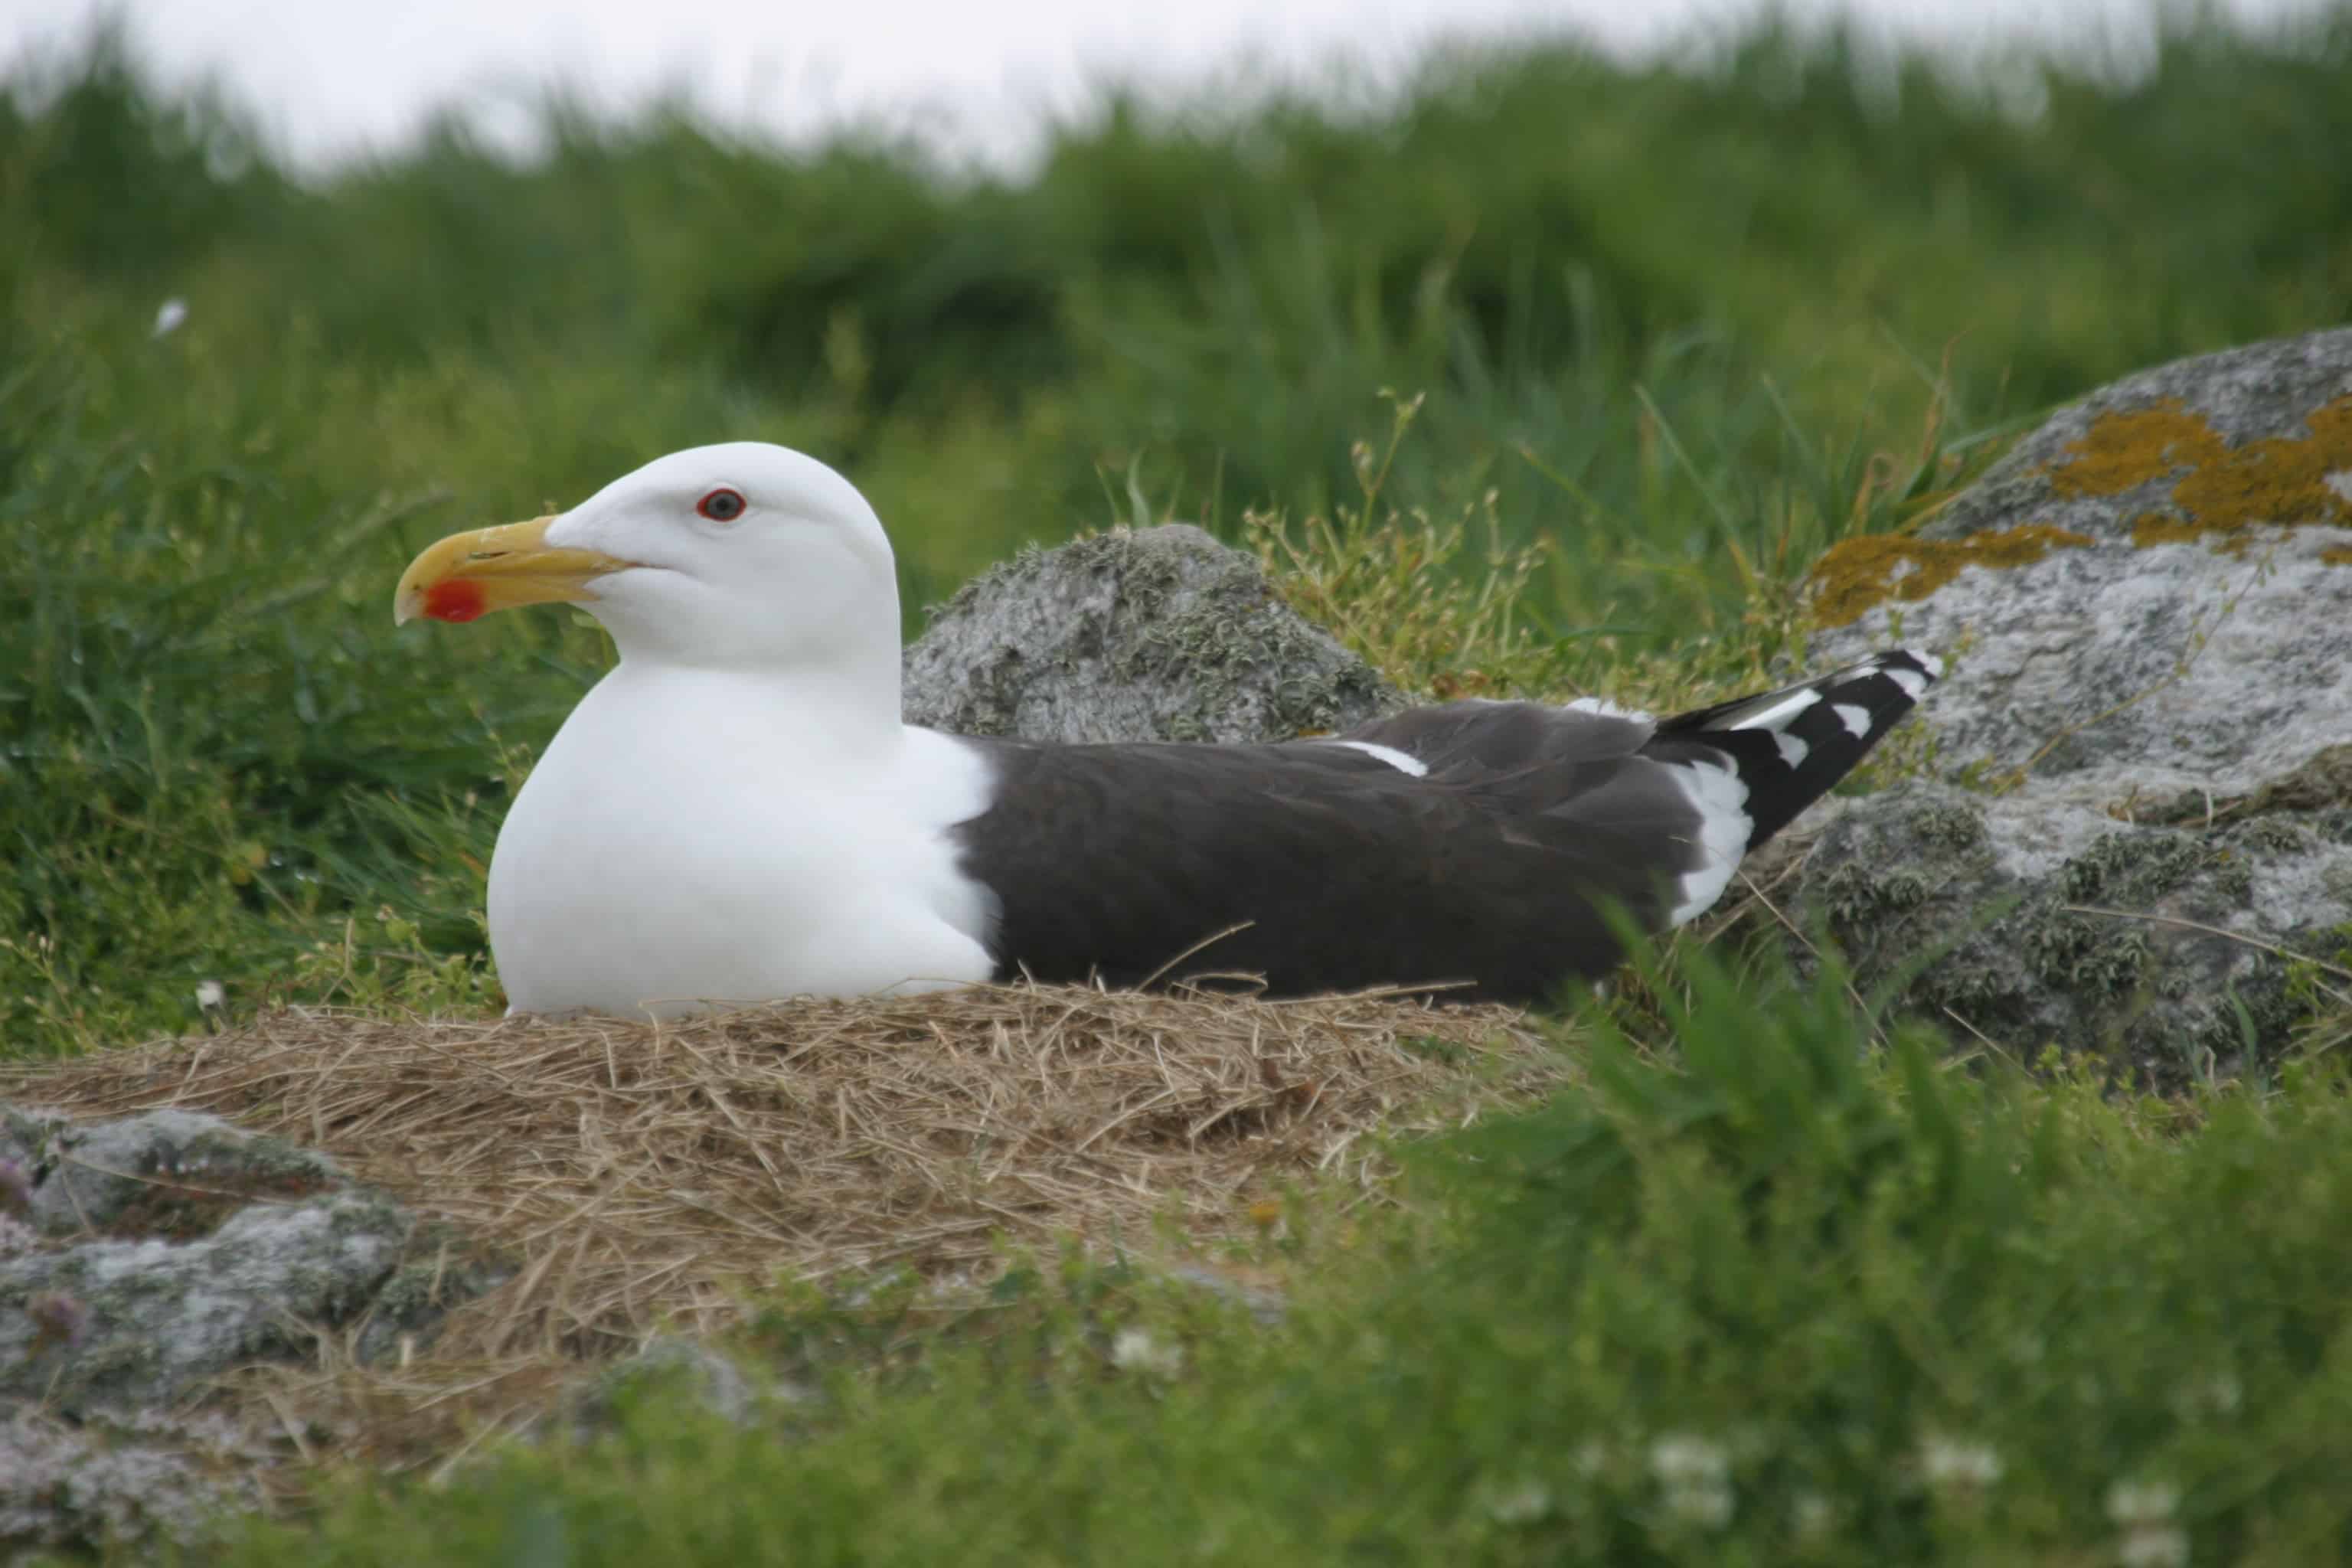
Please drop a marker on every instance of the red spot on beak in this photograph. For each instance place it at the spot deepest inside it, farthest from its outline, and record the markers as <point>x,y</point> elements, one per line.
<point>456,600</point>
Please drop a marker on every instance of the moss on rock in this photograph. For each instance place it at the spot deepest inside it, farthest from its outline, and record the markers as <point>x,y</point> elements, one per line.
<point>2157,950</point>
<point>2214,491</point>
<point>2280,480</point>
<point>1857,575</point>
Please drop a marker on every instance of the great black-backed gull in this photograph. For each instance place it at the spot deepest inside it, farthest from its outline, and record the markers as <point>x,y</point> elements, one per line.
<point>737,813</point>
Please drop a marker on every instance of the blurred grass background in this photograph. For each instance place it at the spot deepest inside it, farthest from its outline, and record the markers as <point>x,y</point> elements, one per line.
<point>1677,327</point>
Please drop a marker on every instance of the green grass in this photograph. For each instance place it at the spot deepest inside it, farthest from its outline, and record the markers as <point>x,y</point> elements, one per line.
<point>1662,334</point>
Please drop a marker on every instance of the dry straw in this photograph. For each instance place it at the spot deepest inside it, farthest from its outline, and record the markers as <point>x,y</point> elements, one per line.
<point>641,1175</point>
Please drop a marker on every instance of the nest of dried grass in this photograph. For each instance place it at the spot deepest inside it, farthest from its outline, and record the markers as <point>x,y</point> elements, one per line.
<point>641,1175</point>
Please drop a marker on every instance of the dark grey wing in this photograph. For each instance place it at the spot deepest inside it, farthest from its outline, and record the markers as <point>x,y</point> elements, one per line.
<point>1498,737</point>
<point>1111,862</point>
<point>1491,867</point>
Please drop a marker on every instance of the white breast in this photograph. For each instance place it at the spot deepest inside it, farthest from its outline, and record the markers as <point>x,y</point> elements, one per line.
<point>684,844</point>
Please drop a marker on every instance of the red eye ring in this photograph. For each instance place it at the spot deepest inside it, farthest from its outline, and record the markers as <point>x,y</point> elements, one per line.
<point>722,505</point>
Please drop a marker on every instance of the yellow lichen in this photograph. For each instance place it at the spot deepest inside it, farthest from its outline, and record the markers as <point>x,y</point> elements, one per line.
<point>1857,574</point>
<point>2277,480</point>
<point>2223,490</point>
<point>2126,450</point>
<point>2337,555</point>
<point>2217,488</point>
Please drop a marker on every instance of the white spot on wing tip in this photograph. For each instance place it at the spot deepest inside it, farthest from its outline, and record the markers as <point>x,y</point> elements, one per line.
<point>1403,762</point>
<point>1855,719</point>
<point>1723,825</point>
<point>1913,683</point>
<point>1792,751</point>
<point>1928,662</point>
<point>1780,712</point>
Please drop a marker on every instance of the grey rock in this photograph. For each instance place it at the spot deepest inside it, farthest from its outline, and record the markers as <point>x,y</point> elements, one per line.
<point>706,1376</point>
<point>166,1172</point>
<point>157,1315</point>
<point>2200,636</point>
<point>142,1256</point>
<point>157,1249</point>
<point>1264,1303</point>
<point>1160,634</point>
<point>2148,610</point>
<point>170,1245</point>
<point>2029,924</point>
<point>118,1481</point>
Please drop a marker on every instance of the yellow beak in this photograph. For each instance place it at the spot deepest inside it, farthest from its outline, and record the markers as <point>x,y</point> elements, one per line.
<point>468,576</point>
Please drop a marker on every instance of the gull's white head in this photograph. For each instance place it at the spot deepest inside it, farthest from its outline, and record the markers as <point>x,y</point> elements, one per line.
<point>740,555</point>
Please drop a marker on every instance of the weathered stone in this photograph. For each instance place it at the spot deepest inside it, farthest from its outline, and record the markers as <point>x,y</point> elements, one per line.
<point>1161,633</point>
<point>158,1315</point>
<point>2031,923</point>
<point>2152,594</point>
<point>159,1250</point>
<point>1268,1305</point>
<point>2148,611</point>
<point>140,1257</point>
<point>169,1173</point>
<point>118,1480</point>
<point>706,1377</point>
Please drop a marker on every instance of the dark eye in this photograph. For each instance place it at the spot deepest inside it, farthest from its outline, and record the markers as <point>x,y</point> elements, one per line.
<point>721,505</point>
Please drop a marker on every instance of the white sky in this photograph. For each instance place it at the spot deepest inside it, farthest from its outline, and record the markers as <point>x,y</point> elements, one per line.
<point>333,77</point>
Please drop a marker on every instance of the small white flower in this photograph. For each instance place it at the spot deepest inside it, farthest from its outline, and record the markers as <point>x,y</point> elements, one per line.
<point>1680,1457</point>
<point>2156,1546</point>
<point>209,995</point>
<point>1133,1349</point>
<point>2134,1503</point>
<point>1695,1474</point>
<point>2218,1394</point>
<point>1707,1504</point>
<point>169,315</point>
<point>1523,1501</point>
<point>1950,1462</point>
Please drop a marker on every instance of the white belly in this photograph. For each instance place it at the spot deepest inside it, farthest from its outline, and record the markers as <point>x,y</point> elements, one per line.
<point>647,869</point>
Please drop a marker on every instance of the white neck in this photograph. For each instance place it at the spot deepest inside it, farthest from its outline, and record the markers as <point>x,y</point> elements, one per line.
<point>841,712</point>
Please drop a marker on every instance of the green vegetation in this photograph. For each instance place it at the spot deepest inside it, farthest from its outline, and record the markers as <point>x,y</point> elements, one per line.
<point>1780,1296</point>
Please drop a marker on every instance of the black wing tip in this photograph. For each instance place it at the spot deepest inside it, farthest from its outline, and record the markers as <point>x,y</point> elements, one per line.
<point>1792,746</point>
<point>1916,659</point>
<point>1927,664</point>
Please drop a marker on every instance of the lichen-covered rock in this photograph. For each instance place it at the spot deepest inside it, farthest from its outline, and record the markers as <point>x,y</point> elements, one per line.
<point>2152,594</point>
<point>116,1480</point>
<point>2033,923</point>
<point>167,1174</point>
<point>701,1374</point>
<point>154,1316</point>
<point>1160,634</point>
<point>142,1256</point>
<point>153,1251</point>
<point>2148,611</point>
